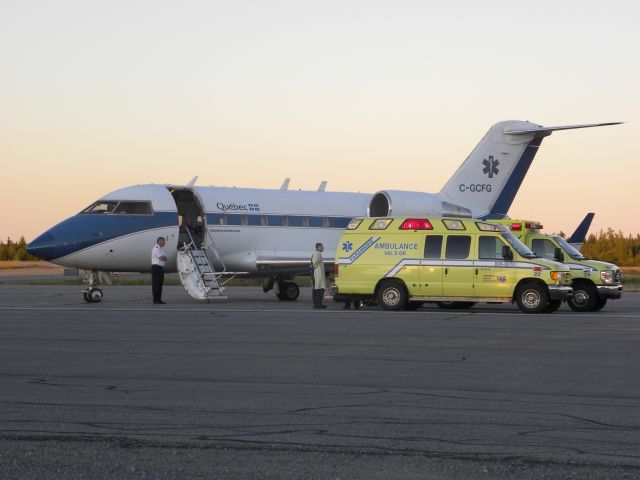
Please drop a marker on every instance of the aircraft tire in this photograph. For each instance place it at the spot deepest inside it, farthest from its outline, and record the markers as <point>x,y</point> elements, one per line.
<point>289,292</point>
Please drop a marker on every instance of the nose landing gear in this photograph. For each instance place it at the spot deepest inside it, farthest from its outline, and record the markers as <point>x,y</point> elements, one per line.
<point>93,294</point>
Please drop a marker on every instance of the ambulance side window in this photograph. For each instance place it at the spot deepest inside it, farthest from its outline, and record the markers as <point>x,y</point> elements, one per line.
<point>458,246</point>
<point>433,246</point>
<point>490,248</point>
<point>543,247</point>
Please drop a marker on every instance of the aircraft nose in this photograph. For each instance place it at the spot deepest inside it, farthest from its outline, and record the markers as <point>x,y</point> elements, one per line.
<point>43,246</point>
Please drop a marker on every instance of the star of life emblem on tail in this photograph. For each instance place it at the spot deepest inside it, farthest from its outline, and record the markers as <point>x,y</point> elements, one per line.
<point>490,166</point>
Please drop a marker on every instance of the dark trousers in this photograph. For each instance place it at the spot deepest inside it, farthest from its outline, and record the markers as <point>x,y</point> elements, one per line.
<point>157,279</point>
<point>318,295</point>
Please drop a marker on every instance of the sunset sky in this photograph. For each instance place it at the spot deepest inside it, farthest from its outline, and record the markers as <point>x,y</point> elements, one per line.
<point>368,95</point>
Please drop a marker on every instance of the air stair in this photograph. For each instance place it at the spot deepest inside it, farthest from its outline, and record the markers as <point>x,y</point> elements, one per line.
<point>196,268</point>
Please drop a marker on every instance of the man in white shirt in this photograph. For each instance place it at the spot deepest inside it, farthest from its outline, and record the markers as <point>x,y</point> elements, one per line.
<point>158,260</point>
<point>319,282</point>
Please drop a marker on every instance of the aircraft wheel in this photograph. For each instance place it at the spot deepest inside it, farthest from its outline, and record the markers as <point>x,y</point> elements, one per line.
<point>532,298</point>
<point>585,298</point>
<point>289,292</point>
<point>95,295</point>
<point>392,295</point>
<point>86,296</point>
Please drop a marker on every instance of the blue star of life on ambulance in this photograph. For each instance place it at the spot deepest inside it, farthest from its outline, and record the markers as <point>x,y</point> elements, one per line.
<point>347,246</point>
<point>490,166</point>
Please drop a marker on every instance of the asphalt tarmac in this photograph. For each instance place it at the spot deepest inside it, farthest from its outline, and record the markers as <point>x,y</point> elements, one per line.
<point>251,387</point>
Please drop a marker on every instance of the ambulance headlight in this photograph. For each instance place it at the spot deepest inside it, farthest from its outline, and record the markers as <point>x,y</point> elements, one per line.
<point>606,276</point>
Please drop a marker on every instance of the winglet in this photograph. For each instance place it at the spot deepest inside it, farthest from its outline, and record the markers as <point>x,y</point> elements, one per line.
<point>193,181</point>
<point>285,184</point>
<point>322,186</point>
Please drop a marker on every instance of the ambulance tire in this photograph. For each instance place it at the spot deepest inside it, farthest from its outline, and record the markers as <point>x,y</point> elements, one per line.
<point>289,292</point>
<point>553,306</point>
<point>585,298</point>
<point>532,298</point>
<point>392,295</point>
<point>600,304</point>
<point>413,305</point>
<point>458,305</point>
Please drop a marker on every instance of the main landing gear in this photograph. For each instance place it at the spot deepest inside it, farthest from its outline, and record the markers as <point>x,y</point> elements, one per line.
<point>286,290</point>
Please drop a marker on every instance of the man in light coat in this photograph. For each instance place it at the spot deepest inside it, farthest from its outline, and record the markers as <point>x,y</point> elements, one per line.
<point>319,282</point>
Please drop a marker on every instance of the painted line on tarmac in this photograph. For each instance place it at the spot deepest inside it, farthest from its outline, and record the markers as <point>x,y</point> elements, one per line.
<point>322,312</point>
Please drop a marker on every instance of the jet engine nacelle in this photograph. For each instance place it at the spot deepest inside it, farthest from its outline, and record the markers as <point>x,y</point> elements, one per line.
<point>400,203</point>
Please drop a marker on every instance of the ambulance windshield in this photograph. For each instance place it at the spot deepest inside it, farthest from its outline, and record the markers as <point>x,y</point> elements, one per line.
<point>567,247</point>
<point>518,246</point>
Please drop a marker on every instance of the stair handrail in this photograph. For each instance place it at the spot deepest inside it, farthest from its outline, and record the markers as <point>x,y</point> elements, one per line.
<point>212,246</point>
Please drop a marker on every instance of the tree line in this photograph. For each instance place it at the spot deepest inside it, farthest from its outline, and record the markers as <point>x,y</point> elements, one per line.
<point>11,250</point>
<point>614,247</point>
<point>608,246</point>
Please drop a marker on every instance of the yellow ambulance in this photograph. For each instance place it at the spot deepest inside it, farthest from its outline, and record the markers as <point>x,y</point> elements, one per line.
<point>593,282</point>
<point>402,263</point>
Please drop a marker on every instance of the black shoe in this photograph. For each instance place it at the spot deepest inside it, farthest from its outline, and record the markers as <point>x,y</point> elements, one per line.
<point>159,302</point>
<point>321,306</point>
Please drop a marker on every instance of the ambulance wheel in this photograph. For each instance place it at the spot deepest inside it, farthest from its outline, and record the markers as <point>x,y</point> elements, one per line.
<point>459,305</point>
<point>413,305</point>
<point>600,304</point>
<point>532,298</point>
<point>288,292</point>
<point>392,295</point>
<point>552,306</point>
<point>585,298</point>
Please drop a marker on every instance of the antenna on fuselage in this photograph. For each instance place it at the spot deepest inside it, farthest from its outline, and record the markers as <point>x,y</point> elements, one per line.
<point>285,184</point>
<point>193,181</point>
<point>323,185</point>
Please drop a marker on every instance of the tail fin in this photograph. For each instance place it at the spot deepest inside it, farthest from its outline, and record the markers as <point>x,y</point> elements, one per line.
<point>579,236</point>
<point>488,180</point>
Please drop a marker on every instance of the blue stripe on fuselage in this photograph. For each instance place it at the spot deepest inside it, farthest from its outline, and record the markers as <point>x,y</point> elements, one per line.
<point>86,230</point>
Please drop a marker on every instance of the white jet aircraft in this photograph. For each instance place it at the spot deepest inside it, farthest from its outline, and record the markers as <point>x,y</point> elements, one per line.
<point>218,232</point>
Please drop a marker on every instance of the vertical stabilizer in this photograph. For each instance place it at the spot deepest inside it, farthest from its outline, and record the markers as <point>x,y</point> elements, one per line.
<point>488,180</point>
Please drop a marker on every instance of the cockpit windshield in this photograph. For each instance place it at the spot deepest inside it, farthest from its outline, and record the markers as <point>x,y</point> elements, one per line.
<point>570,249</point>
<point>518,246</point>
<point>119,208</point>
<point>100,206</point>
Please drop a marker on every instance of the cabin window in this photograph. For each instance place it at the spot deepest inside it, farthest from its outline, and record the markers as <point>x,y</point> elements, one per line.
<point>544,248</point>
<point>315,222</point>
<point>133,208</point>
<point>458,246</point>
<point>490,248</point>
<point>101,207</point>
<point>433,246</point>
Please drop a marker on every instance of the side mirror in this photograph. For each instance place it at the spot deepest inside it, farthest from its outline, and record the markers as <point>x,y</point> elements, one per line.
<point>507,253</point>
<point>558,255</point>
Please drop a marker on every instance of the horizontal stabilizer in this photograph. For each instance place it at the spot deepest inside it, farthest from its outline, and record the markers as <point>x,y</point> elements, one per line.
<point>547,130</point>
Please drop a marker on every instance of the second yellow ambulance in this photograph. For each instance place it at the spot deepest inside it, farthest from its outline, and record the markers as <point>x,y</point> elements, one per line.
<point>403,262</point>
